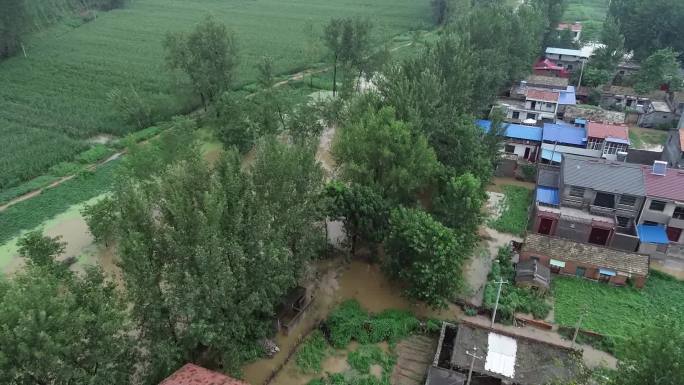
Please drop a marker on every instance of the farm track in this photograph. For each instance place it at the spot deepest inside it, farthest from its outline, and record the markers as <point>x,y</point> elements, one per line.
<point>92,167</point>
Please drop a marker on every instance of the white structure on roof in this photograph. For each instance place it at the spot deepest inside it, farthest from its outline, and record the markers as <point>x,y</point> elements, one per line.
<point>501,352</point>
<point>570,59</point>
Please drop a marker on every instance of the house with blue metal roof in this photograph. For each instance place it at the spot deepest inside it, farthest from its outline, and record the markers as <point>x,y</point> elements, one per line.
<point>520,140</point>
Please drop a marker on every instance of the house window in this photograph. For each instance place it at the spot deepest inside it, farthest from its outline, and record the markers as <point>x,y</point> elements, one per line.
<point>577,192</point>
<point>613,148</point>
<point>604,277</point>
<point>657,205</point>
<point>569,67</point>
<point>549,105</point>
<point>623,221</point>
<point>678,213</point>
<point>595,144</point>
<point>651,223</point>
<point>627,200</point>
<point>509,149</point>
<point>580,271</point>
<point>604,200</point>
<point>531,116</point>
<point>516,114</point>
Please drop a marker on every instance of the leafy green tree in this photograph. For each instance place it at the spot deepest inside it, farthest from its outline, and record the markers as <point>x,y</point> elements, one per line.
<point>348,41</point>
<point>101,220</point>
<point>14,24</point>
<point>594,77</point>
<point>661,68</point>
<point>655,355</point>
<point>40,250</point>
<point>269,106</point>
<point>207,253</point>
<point>207,55</point>
<point>424,255</point>
<point>650,25</point>
<point>305,123</point>
<point>64,330</point>
<point>234,125</point>
<point>603,63</point>
<point>129,104</point>
<point>459,206</point>
<point>381,152</point>
<point>363,212</point>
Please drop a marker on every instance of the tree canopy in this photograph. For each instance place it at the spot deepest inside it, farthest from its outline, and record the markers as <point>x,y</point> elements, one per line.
<point>661,68</point>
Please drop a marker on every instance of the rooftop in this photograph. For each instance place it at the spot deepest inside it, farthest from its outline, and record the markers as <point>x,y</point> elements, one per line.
<point>567,96</point>
<point>603,175</point>
<point>191,374</point>
<point>668,186</point>
<point>515,131</point>
<point>546,64</point>
<point>543,95</point>
<point>547,81</point>
<point>660,106</point>
<point>533,273</point>
<point>564,133</point>
<point>629,91</point>
<point>565,51</point>
<point>596,114</point>
<point>574,27</point>
<point>606,130</point>
<point>567,250</point>
<point>524,361</point>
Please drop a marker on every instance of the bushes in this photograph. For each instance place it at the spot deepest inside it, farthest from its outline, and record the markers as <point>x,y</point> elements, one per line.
<point>312,352</point>
<point>350,322</point>
<point>94,154</point>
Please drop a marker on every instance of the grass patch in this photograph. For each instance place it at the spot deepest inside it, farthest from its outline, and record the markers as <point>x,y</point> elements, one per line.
<point>312,352</point>
<point>32,212</point>
<point>513,299</point>
<point>514,217</point>
<point>641,137</point>
<point>350,322</point>
<point>617,312</point>
<point>362,358</point>
<point>591,13</point>
<point>34,184</point>
<point>94,154</point>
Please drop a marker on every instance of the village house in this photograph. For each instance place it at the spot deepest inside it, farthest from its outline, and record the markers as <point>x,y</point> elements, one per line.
<point>673,153</point>
<point>626,98</point>
<point>520,141</point>
<point>575,28</point>
<point>567,257</point>
<point>662,219</point>
<point>654,109</point>
<point>594,201</point>
<point>657,114</point>
<point>538,98</point>
<point>570,59</point>
<point>500,357</point>
<point>610,139</point>
<point>546,67</point>
<point>563,138</point>
<point>191,374</point>
<point>519,90</point>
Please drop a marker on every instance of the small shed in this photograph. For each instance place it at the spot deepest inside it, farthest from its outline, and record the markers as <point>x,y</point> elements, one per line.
<point>292,307</point>
<point>531,273</point>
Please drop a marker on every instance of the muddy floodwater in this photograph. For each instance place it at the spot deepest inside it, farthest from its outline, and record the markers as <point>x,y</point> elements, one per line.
<point>335,282</point>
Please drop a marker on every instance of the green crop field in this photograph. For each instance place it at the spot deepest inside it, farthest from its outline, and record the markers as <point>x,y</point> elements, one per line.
<point>56,97</point>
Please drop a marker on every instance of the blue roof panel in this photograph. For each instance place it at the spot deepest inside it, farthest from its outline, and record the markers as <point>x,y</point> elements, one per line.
<point>564,134</point>
<point>567,96</point>
<point>519,131</point>
<point>486,125</point>
<point>653,234</point>
<point>551,155</point>
<point>548,195</point>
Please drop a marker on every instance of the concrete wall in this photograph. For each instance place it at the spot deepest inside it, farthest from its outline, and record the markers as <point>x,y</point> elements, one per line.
<point>662,217</point>
<point>672,153</point>
<point>520,150</point>
<point>624,242</point>
<point>655,119</point>
<point>540,106</point>
<point>506,168</point>
<point>592,271</point>
<point>576,231</point>
<point>590,195</point>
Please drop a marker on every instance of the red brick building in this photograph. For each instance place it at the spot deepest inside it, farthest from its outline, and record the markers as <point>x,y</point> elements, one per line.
<point>604,264</point>
<point>191,374</point>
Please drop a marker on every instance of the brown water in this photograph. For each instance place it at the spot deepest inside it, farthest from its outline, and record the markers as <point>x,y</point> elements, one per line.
<point>334,283</point>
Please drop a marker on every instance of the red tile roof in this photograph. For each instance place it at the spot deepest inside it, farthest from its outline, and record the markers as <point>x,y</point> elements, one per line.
<point>668,186</point>
<point>546,64</point>
<point>575,27</point>
<point>191,374</point>
<point>603,130</point>
<point>681,139</point>
<point>546,96</point>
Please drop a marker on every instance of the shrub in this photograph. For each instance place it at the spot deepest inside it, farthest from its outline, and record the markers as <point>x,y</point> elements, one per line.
<point>312,352</point>
<point>64,169</point>
<point>94,154</point>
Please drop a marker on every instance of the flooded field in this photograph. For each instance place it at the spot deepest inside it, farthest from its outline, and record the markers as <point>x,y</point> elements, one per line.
<point>336,281</point>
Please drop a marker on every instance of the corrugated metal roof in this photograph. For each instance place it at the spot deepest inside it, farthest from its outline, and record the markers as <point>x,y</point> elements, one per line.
<point>548,195</point>
<point>551,155</point>
<point>584,253</point>
<point>668,186</point>
<point>652,234</point>
<point>567,97</point>
<point>519,131</point>
<point>564,51</point>
<point>191,374</point>
<point>603,175</point>
<point>601,130</point>
<point>564,134</point>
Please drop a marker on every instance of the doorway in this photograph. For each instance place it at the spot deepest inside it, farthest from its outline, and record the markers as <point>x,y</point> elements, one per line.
<point>599,236</point>
<point>673,233</point>
<point>527,153</point>
<point>545,225</point>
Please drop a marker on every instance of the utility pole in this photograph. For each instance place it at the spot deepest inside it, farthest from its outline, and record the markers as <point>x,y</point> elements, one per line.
<point>579,83</point>
<point>577,326</point>
<point>498,295</point>
<point>473,356</point>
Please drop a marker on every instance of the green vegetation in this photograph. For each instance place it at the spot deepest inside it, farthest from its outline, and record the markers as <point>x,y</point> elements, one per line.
<point>69,70</point>
<point>617,312</point>
<point>513,299</point>
<point>591,13</point>
<point>312,352</point>
<point>350,322</point>
<point>32,212</point>
<point>641,137</point>
<point>24,188</point>
<point>367,355</point>
<point>515,213</point>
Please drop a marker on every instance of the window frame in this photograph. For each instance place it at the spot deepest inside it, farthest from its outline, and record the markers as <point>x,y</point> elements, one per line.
<point>574,188</point>
<point>634,199</point>
<point>650,205</point>
<point>679,215</point>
